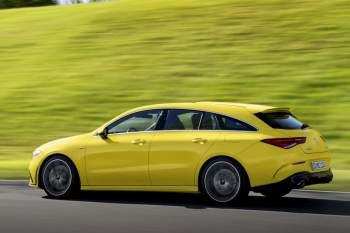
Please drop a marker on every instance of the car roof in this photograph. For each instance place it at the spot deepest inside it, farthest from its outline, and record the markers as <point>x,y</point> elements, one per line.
<point>212,106</point>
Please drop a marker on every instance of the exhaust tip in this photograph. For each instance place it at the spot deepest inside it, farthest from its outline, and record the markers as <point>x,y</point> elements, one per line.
<point>299,181</point>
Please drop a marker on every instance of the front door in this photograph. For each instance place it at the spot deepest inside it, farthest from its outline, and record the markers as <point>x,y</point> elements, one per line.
<point>122,158</point>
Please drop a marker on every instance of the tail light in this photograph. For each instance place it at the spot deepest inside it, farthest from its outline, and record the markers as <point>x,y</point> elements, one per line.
<point>285,143</point>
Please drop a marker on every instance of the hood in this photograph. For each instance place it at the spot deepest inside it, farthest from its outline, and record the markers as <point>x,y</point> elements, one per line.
<point>60,141</point>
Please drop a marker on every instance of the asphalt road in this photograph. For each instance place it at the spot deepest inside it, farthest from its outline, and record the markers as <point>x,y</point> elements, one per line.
<point>23,209</point>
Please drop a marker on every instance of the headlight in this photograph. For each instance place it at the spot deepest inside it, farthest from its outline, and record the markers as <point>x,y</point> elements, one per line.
<point>36,153</point>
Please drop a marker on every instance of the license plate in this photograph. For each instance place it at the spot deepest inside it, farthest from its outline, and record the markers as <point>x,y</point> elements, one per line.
<point>318,165</point>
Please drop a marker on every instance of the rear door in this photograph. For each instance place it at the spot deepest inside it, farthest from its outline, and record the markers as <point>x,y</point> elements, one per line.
<point>177,149</point>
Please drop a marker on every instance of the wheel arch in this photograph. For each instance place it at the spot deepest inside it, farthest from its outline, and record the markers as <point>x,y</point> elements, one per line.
<point>51,156</point>
<point>233,160</point>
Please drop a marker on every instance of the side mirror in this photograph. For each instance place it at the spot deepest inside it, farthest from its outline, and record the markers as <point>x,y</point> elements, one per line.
<point>104,133</point>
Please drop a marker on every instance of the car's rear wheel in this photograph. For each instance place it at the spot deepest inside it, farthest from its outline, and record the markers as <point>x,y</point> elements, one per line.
<point>59,178</point>
<point>275,193</point>
<point>224,181</point>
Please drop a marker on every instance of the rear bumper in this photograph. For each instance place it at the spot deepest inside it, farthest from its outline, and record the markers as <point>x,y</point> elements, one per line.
<point>301,164</point>
<point>305,178</point>
<point>300,180</point>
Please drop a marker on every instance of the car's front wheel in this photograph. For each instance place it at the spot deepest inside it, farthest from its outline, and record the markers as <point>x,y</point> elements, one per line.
<point>59,178</point>
<point>224,181</point>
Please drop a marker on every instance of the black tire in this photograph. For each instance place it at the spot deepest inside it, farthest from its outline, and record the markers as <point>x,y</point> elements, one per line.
<point>276,193</point>
<point>59,178</point>
<point>224,181</point>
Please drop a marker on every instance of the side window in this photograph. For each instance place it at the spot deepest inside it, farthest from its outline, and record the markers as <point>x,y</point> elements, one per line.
<point>228,123</point>
<point>140,121</point>
<point>178,119</point>
<point>209,122</point>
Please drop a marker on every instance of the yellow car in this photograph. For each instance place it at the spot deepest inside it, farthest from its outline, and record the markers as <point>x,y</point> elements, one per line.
<point>223,150</point>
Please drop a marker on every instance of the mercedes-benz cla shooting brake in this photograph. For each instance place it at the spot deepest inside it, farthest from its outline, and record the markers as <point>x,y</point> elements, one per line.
<point>223,150</point>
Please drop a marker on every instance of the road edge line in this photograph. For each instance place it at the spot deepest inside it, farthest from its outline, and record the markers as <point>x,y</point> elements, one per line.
<point>321,191</point>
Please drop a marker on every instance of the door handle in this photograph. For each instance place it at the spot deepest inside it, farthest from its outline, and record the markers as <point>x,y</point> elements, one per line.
<point>199,140</point>
<point>138,142</point>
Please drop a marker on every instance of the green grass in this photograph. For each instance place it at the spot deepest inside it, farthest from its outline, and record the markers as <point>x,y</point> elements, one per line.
<point>66,70</point>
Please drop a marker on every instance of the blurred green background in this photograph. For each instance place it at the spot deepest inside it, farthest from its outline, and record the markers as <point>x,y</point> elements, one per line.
<point>65,70</point>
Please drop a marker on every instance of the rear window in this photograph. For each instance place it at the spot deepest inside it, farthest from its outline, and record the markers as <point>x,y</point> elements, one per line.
<point>181,119</point>
<point>281,120</point>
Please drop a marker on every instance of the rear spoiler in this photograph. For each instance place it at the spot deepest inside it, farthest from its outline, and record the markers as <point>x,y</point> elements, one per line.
<point>270,110</point>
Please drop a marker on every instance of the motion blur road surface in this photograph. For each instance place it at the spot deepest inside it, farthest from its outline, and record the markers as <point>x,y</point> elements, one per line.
<point>23,209</point>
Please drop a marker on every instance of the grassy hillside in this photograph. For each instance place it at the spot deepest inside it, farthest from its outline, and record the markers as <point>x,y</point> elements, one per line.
<point>66,70</point>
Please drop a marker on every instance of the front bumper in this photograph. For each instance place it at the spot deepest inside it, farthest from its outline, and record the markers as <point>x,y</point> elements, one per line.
<point>33,171</point>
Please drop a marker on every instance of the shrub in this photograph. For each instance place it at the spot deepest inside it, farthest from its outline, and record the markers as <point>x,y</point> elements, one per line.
<point>24,3</point>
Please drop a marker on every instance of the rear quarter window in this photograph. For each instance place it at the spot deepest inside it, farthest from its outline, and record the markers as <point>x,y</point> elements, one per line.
<point>228,123</point>
<point>281,120</point>
<point>213,121</point>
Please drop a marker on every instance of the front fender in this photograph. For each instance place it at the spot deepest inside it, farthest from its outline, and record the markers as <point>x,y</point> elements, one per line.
<point>74,151</point>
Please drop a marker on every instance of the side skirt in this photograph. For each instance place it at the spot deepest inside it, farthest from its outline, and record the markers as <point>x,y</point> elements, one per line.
<point>181,189</point>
